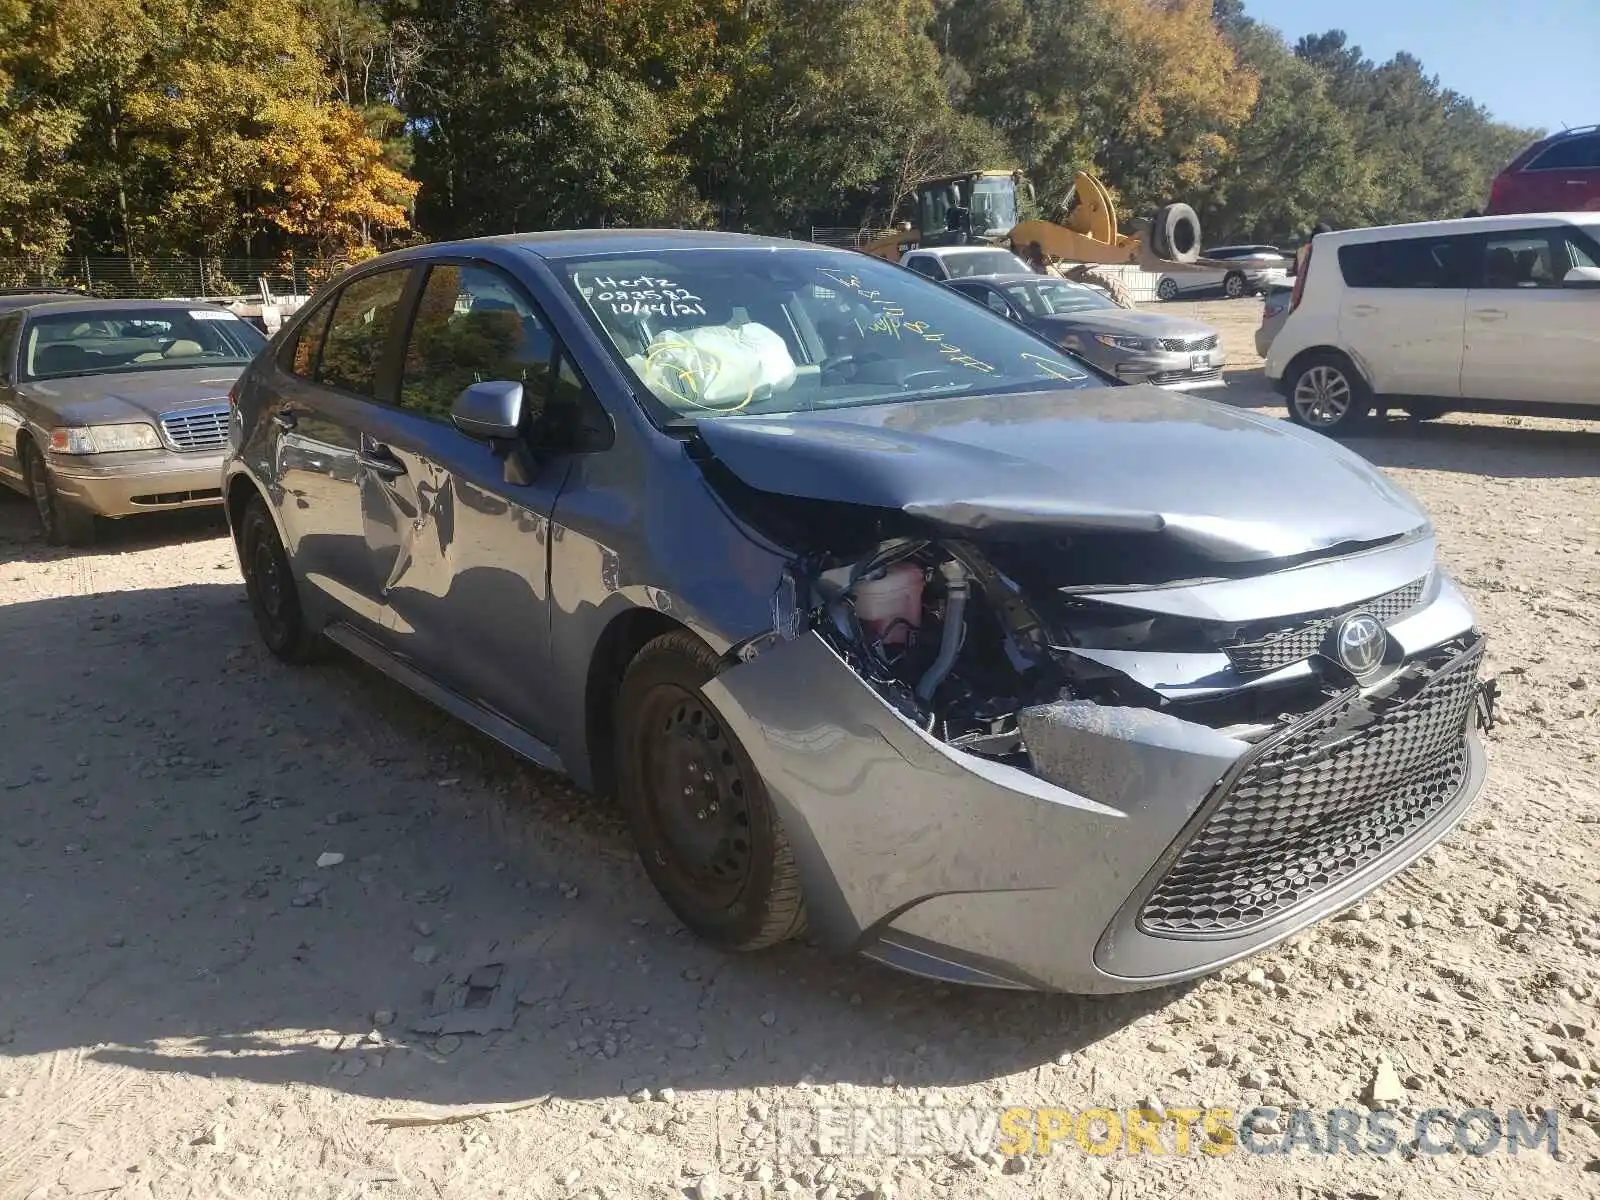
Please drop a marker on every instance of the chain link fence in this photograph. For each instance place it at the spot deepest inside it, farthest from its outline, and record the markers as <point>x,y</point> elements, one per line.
<point>199,277</point>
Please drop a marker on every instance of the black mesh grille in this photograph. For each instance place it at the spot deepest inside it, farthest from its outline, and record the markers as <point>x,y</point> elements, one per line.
<point>1285,646</point>
<point>1199,343</point>
<point>1319,804</point>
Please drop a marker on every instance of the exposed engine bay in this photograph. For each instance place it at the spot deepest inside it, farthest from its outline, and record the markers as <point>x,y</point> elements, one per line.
<point>957,646</point>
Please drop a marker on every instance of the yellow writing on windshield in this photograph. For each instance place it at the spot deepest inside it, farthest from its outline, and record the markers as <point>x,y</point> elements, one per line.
<point>889,321</point>
<point>1053,368</point>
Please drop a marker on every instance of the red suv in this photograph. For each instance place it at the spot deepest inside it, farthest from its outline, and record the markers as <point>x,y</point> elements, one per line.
<point>1561,173</point>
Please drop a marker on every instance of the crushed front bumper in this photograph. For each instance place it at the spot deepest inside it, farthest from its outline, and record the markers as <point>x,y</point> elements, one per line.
<point>967,870</point>
<point>119,485</point>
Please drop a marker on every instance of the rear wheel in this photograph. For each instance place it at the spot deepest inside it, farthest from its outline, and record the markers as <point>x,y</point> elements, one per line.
<point>269,585</point>
<point>705,827</point>
<point>1327,394</point>
<point>1233,285</point>
<point>1167,289</point>
<point>63,523</point>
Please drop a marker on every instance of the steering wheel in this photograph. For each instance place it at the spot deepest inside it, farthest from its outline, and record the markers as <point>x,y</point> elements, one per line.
<point>942,373</point>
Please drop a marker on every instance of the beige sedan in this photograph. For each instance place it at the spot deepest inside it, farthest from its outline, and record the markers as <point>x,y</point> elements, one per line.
<point>115,407</point>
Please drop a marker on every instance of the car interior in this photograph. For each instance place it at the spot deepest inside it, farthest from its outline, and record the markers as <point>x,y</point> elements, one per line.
<point>76,344</point>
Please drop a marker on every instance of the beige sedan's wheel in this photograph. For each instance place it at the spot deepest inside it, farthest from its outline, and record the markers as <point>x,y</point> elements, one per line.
<point>63,523</point>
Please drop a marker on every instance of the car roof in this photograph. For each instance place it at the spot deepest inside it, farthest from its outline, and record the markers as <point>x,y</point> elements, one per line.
<point>572,243</point>
<point>92,304</point>
<point>1460,227</point>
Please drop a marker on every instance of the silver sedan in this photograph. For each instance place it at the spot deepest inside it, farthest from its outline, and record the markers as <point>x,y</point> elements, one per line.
<point>1133,347</point>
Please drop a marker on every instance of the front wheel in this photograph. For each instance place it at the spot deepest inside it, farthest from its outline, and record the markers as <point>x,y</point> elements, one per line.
<point>706,830</point>
<point>1233,285</point>
<point>1326,394</point>
<point>1167,289</point>
<point>63,523</point>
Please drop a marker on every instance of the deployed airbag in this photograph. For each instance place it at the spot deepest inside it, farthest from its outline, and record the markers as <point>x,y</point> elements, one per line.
<point>715,366</point>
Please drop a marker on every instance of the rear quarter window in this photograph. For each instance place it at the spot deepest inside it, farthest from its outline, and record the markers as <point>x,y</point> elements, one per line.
<point>1404,263</point>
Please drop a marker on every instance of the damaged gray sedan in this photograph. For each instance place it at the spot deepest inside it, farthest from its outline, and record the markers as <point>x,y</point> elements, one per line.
<point>882,616</point>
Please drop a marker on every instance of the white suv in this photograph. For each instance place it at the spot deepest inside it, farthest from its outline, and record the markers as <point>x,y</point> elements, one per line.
<point>1487,314</point>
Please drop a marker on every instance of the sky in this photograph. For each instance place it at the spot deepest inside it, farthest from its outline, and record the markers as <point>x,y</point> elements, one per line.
<point>1532,63</point>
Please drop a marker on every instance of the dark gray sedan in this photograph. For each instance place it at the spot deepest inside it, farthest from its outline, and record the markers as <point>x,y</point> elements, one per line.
<point>115,407</point>
<point>880,615</point>
<point>1132,346</point>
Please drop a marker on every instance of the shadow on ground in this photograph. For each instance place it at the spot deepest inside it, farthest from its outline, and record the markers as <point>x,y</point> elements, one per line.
<point>1494,447</point>
<point>21,541</point>
<point>170,787</point>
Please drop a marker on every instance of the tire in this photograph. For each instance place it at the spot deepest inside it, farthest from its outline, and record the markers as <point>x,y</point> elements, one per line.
<point>63,523</point>
<point>705,828</point>
<point>1106,282</point>
<point>1233,285</point>
<point>1167,289</point>
<point>1175,234</point>
<point>1327,394</point>
<point>269,585</point>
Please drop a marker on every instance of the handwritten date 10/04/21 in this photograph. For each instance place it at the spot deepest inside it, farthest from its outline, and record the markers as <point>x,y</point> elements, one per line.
<point>647,295</point>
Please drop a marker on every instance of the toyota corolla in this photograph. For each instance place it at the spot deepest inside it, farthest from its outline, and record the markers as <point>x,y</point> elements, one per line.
<point>879,613</point>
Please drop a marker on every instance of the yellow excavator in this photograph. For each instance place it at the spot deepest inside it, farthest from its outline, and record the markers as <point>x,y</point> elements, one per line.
<point>987,206</point>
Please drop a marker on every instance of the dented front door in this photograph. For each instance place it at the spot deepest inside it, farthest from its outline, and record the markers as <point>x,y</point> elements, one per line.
<point>462,557</point>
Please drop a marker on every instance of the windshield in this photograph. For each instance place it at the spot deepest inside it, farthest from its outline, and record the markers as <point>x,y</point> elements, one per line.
<point>714,332</point>
<point>994,205</point>
<point>94,341</point>
<point>983,262</point>
<point>1052,297</point>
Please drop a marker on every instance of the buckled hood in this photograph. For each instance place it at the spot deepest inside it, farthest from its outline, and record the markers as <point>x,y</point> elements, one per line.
<point>1230,484</point>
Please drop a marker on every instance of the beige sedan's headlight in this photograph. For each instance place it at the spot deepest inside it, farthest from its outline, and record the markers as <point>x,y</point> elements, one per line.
<point>104,439</point>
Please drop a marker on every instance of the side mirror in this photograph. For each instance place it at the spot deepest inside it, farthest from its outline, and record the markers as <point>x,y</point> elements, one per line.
<point>1582,277</point>
<point>489,411</point>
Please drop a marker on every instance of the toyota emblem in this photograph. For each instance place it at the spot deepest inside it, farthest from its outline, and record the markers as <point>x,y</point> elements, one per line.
<point>1359,642</point>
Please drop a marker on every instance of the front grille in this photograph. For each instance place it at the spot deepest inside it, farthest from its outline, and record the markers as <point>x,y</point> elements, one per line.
<point>196,428</point>
<point>1317,804</point>
<point>1208,342</point>
<point>1284,646</point>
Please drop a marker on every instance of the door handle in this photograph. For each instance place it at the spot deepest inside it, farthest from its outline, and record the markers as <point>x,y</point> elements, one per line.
<point>1489,314</point>
<point>380,460</point>
<point>1363,310</point>
<point>285,419</point>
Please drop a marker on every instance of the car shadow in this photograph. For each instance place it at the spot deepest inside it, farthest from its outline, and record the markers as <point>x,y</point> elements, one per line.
<point>22,541</point>
<point>1496,447</point>
<point>173,787</point>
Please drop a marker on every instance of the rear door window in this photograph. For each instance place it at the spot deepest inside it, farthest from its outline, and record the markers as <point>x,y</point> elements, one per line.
<point>1521,260</point>
<point>1406,263</point>
<point>359,331</point>
<point>308,342</point>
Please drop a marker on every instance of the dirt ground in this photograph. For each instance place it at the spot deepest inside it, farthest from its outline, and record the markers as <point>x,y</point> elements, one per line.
<point>191,1007</point>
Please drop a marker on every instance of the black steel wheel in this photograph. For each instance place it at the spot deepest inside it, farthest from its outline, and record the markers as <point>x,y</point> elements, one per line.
<point>63,523</point>
<point>704,825</point>
<point>269,584</point>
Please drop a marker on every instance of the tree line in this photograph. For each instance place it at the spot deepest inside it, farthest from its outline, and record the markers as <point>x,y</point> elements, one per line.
<point>334,128</point>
